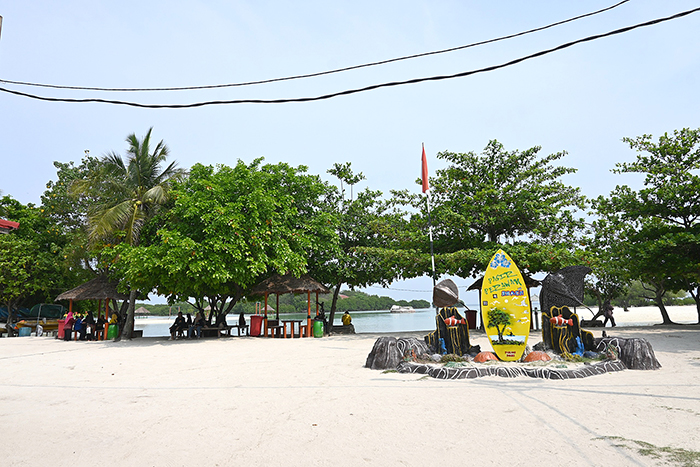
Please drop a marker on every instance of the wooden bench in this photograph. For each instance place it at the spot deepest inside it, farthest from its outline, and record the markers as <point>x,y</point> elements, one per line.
<point>211,331</point>
<point>274,328</point>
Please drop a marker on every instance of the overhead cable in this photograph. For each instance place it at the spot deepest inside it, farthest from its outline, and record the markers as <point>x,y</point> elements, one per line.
<point>321,73</point>
<point>363,89</point>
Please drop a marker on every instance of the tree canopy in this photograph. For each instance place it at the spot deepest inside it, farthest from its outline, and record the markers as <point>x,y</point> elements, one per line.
<point>654,232</point>
<point>361,222</point>
<point>496,199</point>
<point>228,228</point>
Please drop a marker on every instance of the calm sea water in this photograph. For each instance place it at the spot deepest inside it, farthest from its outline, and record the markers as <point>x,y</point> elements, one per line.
<point>424,319</point>
<point>364,322</point>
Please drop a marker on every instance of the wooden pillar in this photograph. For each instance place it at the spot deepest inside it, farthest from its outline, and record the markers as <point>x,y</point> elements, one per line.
<point>308,318</point>
<point>104,329</point>
<point>264,329</point>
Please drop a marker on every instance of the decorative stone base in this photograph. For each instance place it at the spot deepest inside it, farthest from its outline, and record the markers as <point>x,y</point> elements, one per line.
<point>388,352</point>
<point>510,372</point>
<point>637,354</point>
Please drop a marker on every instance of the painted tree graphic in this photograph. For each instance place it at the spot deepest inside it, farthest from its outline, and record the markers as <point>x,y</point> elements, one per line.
<point>498,319</point>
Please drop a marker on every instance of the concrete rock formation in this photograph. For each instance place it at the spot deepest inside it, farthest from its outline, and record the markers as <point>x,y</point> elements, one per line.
<point>388,352</point>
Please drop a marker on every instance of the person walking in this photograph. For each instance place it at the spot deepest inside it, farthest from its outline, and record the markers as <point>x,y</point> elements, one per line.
<point>608,313</point>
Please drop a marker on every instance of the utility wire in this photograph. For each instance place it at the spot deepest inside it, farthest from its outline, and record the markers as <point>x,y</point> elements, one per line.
<point>364,89</point>
<point>311,75</point>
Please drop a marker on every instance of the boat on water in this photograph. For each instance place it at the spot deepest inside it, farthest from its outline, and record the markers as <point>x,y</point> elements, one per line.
<point>401,309</point>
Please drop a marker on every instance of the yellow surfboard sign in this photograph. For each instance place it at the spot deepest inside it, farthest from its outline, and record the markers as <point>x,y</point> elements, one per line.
<point>505,307</point>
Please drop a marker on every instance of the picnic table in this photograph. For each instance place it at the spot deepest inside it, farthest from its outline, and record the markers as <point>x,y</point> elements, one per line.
<point>292,324</point>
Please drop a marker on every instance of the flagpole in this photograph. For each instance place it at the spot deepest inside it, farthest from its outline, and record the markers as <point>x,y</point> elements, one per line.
<point>430,234</point>
<point>426,190</point>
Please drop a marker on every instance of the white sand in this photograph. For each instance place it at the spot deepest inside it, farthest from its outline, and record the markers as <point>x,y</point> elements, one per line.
<point>645,315</point>
<point>254,401</point>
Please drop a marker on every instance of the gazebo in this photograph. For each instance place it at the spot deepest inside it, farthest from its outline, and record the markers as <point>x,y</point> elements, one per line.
<point>278,285</point>
<point>99,288</point>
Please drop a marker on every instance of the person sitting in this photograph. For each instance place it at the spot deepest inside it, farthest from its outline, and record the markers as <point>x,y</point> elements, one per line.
<point>100,326</point>
<point>197,324</point>
<point>346,319</point>
<point>79,328</point>
<point>89,322</point>
<point>221,323</point>
<point>68,326</point>
<point>178,326</point>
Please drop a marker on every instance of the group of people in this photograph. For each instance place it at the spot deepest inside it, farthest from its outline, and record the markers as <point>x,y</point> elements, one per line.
<point>86,327</point>
<point>192,327</point>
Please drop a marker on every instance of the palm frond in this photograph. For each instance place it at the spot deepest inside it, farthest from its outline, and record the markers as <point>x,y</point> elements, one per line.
<point>135,184</point>
<point>105,220</point>
<point>155,195</point>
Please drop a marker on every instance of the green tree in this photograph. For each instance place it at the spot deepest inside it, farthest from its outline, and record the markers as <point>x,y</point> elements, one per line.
<point>514,200</point>
<point>23,272</point>
<point>30,261</point>
<point>501,194</point>
<point>68,211</point>
<point>363,223</point>
<point>658,226</point>
<point>499,319</point>
<point>610,276</point>
<point>130,190</point>
<point>228,229</point>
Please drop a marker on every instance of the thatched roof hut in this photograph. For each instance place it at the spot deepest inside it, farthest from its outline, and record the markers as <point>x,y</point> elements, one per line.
<point>99,288</point>
<point>142,311</point>
<point>277,284</point>
<point>280,285</point>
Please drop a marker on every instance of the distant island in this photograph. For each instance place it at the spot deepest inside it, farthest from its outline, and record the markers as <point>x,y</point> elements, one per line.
<point>348,301</point>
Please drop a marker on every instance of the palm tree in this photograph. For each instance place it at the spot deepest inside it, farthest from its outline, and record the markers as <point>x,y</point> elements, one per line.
<point>132,188</point>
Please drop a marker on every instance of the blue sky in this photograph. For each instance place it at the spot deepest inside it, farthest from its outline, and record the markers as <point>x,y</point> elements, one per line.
<point>582,100</point>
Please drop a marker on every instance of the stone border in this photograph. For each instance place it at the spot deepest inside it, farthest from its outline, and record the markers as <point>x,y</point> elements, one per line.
<point>511,372</point>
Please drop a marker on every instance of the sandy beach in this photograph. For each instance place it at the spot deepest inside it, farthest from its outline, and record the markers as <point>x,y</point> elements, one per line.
<point>254,401</point>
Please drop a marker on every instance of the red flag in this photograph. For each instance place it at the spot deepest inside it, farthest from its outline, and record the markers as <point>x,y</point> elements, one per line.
<point>424,173</point>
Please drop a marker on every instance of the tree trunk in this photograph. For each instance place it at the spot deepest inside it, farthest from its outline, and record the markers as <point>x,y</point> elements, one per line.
<point>336,292</point>
<point>129,323</point>
<point>8,326</point>
<point>659,293</point>
<point>696,296</point>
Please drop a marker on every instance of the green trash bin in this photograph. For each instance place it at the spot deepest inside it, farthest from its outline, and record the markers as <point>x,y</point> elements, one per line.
<point>318,328</point>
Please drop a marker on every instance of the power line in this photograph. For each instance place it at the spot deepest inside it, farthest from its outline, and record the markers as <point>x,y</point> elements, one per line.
<point>321,73</point>
<point>363,89</point>
<point>398,290</point>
